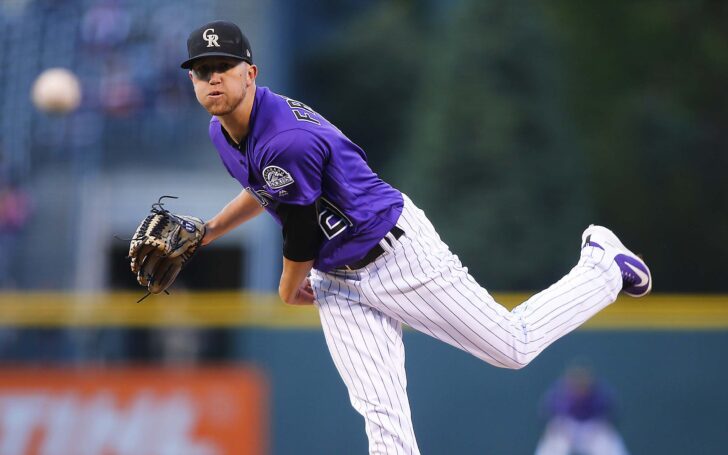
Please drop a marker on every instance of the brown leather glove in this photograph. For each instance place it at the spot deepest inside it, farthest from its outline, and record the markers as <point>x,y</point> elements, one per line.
<point>162,245</point>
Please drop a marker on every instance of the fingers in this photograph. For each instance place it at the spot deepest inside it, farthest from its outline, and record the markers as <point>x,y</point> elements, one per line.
<point>147,268</point>
<point>307,296</point>
<point>307,291</point>
<point>158,272</point>
<point>304,294</point>
<point>302,298</point>
<point>164,275</point>
<point>137,257</point>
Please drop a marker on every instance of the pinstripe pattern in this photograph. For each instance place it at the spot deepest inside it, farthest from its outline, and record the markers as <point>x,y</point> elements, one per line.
<point>419,282</point>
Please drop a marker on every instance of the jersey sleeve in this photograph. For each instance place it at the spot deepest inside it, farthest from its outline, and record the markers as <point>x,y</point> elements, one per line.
<point>292,165</point>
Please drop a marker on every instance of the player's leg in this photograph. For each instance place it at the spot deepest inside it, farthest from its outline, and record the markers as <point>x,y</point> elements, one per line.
<point>600,437</point>
<point>367,349</point>
<point>558,437</point>
<point>424,285</point>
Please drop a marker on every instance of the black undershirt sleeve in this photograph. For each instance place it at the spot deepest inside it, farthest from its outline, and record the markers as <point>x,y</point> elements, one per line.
<point>301,234</point>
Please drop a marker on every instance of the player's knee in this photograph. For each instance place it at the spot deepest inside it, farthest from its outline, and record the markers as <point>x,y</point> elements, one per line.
<point>510,362</point>
<point>517,364</point>
<point>521,360</point>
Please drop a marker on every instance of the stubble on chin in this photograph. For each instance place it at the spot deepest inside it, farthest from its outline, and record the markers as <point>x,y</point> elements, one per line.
<point>222,107</point>
<point>218,108</point>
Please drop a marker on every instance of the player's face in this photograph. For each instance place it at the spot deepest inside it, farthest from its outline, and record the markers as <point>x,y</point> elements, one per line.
<point>221,83</point>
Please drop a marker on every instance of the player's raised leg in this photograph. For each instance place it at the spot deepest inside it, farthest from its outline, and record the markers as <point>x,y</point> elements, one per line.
<point>367,349</point>
<point>424,285</point>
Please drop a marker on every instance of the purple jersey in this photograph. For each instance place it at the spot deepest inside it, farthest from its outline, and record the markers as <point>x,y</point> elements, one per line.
<point>293,155</point>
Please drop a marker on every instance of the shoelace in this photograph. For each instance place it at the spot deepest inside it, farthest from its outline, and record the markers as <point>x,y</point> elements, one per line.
<point>629,277</point>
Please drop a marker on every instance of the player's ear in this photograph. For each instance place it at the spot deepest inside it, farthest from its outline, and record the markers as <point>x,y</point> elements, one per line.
<point>189,73</point>
<point>252,72</point>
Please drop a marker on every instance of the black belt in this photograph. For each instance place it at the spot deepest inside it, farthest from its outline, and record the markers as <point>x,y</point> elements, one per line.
<point>374,252</point>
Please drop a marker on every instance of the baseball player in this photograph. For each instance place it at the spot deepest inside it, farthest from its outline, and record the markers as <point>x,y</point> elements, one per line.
<point>362,251</point>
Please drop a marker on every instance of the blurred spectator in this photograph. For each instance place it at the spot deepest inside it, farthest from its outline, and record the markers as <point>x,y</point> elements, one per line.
<point>580,410</point>
<point>121,96</point>
<point>106,25</point>
<point>14,214</point>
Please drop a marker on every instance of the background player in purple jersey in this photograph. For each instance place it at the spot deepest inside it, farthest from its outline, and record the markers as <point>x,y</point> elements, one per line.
<point>580,408</point>
<point>365,254</point>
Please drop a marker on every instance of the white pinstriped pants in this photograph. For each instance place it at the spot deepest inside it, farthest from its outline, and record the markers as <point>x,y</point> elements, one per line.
<point>419,282</point>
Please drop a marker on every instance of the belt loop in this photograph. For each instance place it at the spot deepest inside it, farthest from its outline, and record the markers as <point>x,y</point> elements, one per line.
<point>386,243</point>
<point>392,238</point>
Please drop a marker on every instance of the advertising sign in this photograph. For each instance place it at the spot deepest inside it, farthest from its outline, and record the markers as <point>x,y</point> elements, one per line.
<point>133,411</point>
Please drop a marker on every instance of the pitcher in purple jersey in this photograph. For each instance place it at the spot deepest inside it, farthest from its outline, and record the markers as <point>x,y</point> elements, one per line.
<point>292,155</point>
<point>363,252</point>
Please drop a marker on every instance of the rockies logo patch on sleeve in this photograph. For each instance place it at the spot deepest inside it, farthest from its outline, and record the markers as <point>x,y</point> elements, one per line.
<point>277,177</point>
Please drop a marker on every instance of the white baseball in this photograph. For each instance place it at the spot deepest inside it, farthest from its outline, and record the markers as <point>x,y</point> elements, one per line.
<point>56,90</point>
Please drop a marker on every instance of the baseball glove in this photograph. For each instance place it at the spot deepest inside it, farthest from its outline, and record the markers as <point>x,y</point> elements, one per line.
<point>162,245</point>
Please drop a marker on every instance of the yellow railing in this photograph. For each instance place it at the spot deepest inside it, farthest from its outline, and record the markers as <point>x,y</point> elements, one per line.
<point>241,309</point>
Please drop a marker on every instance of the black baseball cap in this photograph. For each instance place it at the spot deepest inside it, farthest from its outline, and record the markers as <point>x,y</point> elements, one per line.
<point>217,39</point>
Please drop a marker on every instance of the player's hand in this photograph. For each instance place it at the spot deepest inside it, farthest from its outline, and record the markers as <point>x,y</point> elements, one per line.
<point>304,294</point>
<point>295,288</point>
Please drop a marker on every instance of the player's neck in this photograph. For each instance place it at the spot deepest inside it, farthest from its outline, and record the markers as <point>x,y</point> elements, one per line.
<point>237,123</point>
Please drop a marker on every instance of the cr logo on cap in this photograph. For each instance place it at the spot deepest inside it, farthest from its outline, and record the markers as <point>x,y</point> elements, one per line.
<point>210,38</point>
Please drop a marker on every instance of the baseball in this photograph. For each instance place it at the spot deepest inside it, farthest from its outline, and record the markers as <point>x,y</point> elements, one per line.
<point>57,91</point>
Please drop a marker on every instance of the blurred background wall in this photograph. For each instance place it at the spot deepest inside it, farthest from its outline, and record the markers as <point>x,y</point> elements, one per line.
<point>513,123</point>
